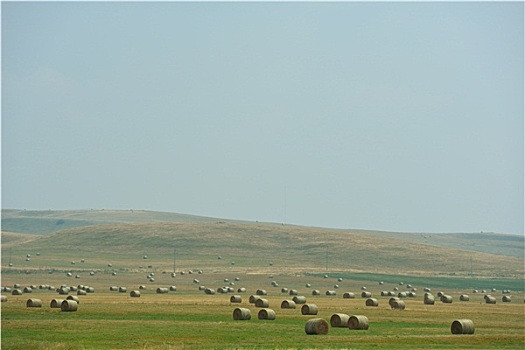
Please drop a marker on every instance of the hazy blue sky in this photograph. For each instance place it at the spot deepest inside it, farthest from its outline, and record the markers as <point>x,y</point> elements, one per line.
<point>389,116</point>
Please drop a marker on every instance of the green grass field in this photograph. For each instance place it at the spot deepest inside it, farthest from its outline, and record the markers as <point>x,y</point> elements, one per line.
<point>257,254</point>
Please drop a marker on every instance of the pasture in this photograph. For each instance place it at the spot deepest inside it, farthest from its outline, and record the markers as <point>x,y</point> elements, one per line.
<point>104,249</point>
<point>189,319</point>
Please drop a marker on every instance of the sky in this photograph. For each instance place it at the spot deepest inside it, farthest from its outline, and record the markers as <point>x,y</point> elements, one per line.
<point>391,116</point>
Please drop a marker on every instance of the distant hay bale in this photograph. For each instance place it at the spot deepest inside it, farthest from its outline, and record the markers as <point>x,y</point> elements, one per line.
<point>490,299</point>
<point>307,285</point>
<point>55,303</point>
<point>266,314</point>
<point>398,305</point>
<point>90,289</point>
<point>316,326</point>
<point>3,298</point>
<point>134,294</point>
<point>28,290</point>
<point>34,303</point>
<point>411,294</point>
<point>506,299</point>
<point>366,294</point>
<point>293,292</point>
<point>371,302</point>
<point>284,290</point>
<point>142,286</point>
<point>162,290</point>
<point>440,294</point>
<point>339,320</point>
<point>16,286</point>
<point>17,292</point>
<point>122,289</point>
<point>381,283</point>
<point>358,322</point>
<point>309,309</point>
<point>427,290</point>
<point>235,299</point>
<point>209,291</point>
<point>446,299</point>
<point>402,295</point>
<point>261,302</point>
<point>241,314</point>
<point>69,305</point>
<point>288,304</point>
<point>173,288</point>
<point>253,298</point>
<point>74,298</point>
<point>348,295</point>
<point>81,292</point>
<point>241,290</point>
<point>463,326</point>
<point>330,293</point>
<point>316,292</point>
<point>464,297</point>
<point>392,300</point>
<point>428,299</point>
<point>384,293</point>
<point>299,299</point>
<point>261,292</point>
<point>363,288</point>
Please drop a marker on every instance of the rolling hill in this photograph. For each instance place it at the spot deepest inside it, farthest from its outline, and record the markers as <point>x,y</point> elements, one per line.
<point>127,237</point>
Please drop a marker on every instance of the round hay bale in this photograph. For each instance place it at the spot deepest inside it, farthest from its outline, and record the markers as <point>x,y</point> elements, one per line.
<point>506,299</point>
<point>428,299</point>
<point>275,284</point>
<point>447,299</point>
<point>330,292</point>
<point>288,304</point>
<point>262,302</point>
<point>316,292</point>
<point>316,326</point>
<point>162,290</point>
<point>309,309</point>
<point>16,292</point>
<point>253,298</point>
<point>90,290</point>
<point>235,299</point>
<point>241,290</point>
<point>261,292</point>
<point>3,298</point>
<point>122,289</point>
<point>293,292</point>
<point>16,286</point>
<point>339,320</point>
<point>398,305</point>
<point>392,300</point>
<point>142,286</point>
<point>358,322</point>
<point>34,303</point>
<point>348,295</point>
<point>266,314</point>
<point>241,314</point>
<point>173,288</point>
<point>371,302</point>
<point>81,292</point>
<point>28,290</point>
<point>69,305</point>
<point>363,288</point>
<point>134,294</point>
<point>411,294</point>
<point>299,299</point>
<point>464,297</point>
<point>384,293</point>
<point>366,294</point>
<point>490,300</point>
<point>402,295</point>
<point>55,303</point>
<point>463,326</point>
<point>74,298</point>
<point>209,291</point>
<point>308,285</point>
<point>284,290</point>
<point>440,294</point>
